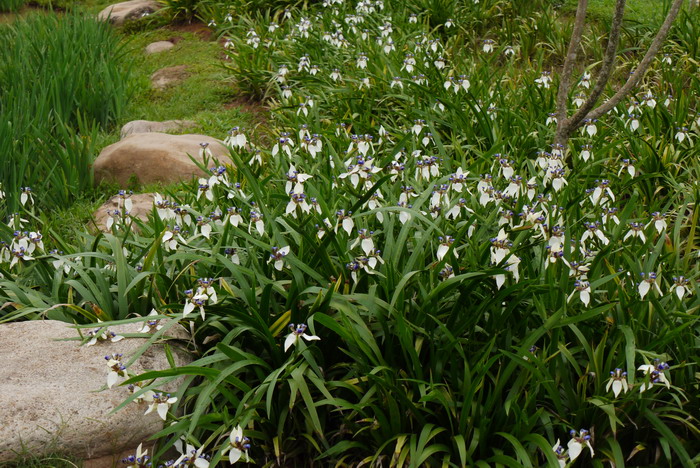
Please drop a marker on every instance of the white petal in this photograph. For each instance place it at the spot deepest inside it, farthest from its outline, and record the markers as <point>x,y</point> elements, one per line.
<point>234,455</point>
<point>163,410</point>
<point>643,288</point>
<point>617,387</point>
<point>112,379</point>
<point>575,449</point>
<point>289,341</point>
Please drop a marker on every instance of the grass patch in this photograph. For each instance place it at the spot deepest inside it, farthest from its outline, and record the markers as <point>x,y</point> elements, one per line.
<point>650,12</point>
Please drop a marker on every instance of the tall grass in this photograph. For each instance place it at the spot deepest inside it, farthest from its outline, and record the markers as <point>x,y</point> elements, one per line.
<point>11,5</point>
<point>61,78</point>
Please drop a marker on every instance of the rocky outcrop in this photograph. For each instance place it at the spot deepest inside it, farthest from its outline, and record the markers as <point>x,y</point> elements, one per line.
<point>148,126</point>
<point>119,13</point>
<point>55,397</point>
<point>157,157</point>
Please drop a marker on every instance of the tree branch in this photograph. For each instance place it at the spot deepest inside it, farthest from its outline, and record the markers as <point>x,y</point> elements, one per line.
<point>605,69</point>
<point>565,79</point>
<point>633,80</point>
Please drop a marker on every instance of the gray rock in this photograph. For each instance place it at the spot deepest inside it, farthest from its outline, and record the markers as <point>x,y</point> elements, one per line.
<point>54,395</point>
<point>119,13</point>
<point>156,157</point>
<point>147,126</point>
<point>169,76</point>
<point>160,46</point>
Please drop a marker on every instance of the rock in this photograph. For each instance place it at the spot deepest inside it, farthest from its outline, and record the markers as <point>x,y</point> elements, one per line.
<point>160,46</point>
<point>169,76</point>
<point>119,13</point>
<point>54,392</point>
<point>142,206</point>
<point>146,126</point>
<point>156,157</point>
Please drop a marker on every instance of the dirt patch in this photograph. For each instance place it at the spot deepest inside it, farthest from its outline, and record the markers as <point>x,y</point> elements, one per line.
<point>197,28</point>
<point>255,108</point>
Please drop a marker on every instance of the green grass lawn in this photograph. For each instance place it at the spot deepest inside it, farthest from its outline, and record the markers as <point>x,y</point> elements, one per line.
<point>640,11</point>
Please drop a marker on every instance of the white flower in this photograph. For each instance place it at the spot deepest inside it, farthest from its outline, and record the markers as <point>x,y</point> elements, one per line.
<point>590,127</point>
<point>680,286</point>
<point>656,373</point>
<point>194,300</point>
<point>618,382</point>
<point>544,80</point>
<point>682,134</point>
<point>560,453</point>
<point>139,459</point>
<point>145,397</point>
<point>102,334</point>
<point>584,290</point>
<point>295,180</point>
<point>577,442</point>
<point>117,369</point>
<point>646,284</point>
<point>636,230</point>
<point>277,256</point>
<point>633,122</point>
<point>659,220</point>
<point>191,457</point>
<point>445,243</point>
<point>161,403</point>
<point>238,445</point>
<point>26,196</point>
<point>236,138</point>
<point>298,331</point>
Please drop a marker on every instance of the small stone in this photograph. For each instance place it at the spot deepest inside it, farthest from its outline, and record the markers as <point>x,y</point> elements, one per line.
<point>119,13</point>
<point>148,126</point>
<point>169,76</point>
<point>160,46</point>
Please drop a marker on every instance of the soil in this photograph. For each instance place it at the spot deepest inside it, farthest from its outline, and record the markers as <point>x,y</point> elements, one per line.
<point>195,27</point>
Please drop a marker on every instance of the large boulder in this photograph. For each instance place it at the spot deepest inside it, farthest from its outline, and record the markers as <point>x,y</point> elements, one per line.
<point>148,126</point>
<point>141,207</point>
<point>55,397</point>
<point>169,76</point>
<point>156,157</point>
<point>119,13</point>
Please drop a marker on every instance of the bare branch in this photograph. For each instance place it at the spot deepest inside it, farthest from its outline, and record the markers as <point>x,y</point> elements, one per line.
<point>641,69</point>
<point>565,79</point>
<point>605,69</point>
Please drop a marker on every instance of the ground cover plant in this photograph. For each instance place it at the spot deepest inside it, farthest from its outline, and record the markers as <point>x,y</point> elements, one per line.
<point>410,274</point>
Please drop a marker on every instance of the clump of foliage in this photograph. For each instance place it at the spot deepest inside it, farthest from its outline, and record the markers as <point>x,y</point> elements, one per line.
<point>61,78</point>
<point>11,5</point>
<point>410,275</point>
